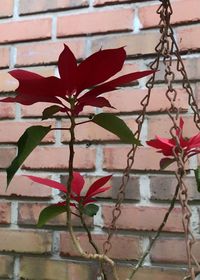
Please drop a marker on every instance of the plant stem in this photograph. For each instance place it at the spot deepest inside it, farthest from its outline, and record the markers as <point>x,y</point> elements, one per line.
<point>147,251</point>
<point>96,256</point>
<point>92,243</point>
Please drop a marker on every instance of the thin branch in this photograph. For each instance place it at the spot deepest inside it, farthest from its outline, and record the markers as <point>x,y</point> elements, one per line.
<point>147,251</point>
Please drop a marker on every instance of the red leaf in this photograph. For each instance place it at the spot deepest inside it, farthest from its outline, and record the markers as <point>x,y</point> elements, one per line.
<point>99,67</point>
<point>111,85</point>
<point>95,187</point>
<point>77,183</point>
<point>67,67</point>
<point>48,183</point>
<point>35,88</point>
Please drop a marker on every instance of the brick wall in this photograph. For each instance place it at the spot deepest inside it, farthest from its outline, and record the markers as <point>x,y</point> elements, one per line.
<point>32,34</point>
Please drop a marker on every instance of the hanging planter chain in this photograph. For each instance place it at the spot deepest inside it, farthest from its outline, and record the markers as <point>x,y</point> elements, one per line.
<point>166,49</point>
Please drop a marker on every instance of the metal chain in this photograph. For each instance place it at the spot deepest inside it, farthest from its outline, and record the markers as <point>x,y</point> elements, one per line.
<point>170,48</point>
<point>165,49</point>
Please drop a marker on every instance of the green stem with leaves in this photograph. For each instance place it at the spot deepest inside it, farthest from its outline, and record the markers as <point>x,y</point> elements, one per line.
<point>96,256</point>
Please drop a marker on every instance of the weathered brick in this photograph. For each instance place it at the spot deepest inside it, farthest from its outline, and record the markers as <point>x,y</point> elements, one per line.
<point>5,212</point>
<point>164,124</point>
<point>25,30</point>
<point>27,7</point>
<point>157,103</point>
<point>136,44</point>
<point>95,22</point>
<point>44,53</point>
<point>6,266</point>
<point>143,218</point>
<point>11,131</point>
<point>6,8</point>
<point>182,38</point>
<point>4,56</point>
<point>92,132</point>
<point>25,241</point>
<point>84,158</point>
<point>7,111</point>
<point>115,159</point>
<point>183,11</point>
<point>179,249</point>
<point>6,156</point>
<point>40,269</point>
<point>29,213</point>
<point>21,186</point>
<point>152,273</point>
<point>122,246</point>
<point>163,187</point>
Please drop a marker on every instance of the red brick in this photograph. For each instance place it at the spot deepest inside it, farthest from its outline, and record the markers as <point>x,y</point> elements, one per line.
<point>57,158</point>
<point>29,213</point>
<point>11,131</point>
<point>109,2</point>
<point>6,266</point>
<point>27,7</point>
<point>25,241</point>
<point>127,247</point>
<point>92,132</point>
<point>22,186</point>
<point>96,22</point>
<point>183,11</point>
<point>8,83</point>
<point>144,218</point>
<point>115,159</point>
<point>152,273</point>
<point>5,213</point>
<point>4,56</point>
<point>188,32</point>
<point>164,124</point>
<point>128,100</point>
<point>6,8</point>
<point>7,111</point>
<point>25,30</point>
<point>6,156</point>
<point>179,249</point>
<point>43,53</point>
<point>41,268</point>
<point>163,188</point>
<point>136,44</point>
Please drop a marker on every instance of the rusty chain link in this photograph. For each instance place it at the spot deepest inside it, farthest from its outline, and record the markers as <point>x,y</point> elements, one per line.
<point>166,49</point>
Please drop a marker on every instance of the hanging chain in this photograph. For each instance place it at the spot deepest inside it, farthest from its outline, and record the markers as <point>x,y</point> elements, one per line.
<point>116,212</point>
<point>165,49</point>
<point>169,48</point>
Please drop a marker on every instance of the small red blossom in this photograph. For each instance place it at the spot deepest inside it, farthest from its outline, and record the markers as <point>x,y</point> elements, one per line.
<point>190,147</point>
<point>76,188</point>
<point>89,76</point>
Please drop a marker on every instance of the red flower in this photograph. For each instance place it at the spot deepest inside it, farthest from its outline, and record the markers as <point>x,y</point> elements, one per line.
<point>88,75</point>
<point>167,147</point>
<point>77,186</point>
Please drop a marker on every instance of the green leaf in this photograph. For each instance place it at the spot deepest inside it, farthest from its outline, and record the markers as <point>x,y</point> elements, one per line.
<point>50,111</point>
<point>165,162</point>
<point>26,144</point>
<point>50,212</point>
<point>197,177</point>
<point>90,210</point>
<point>117,126</point>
